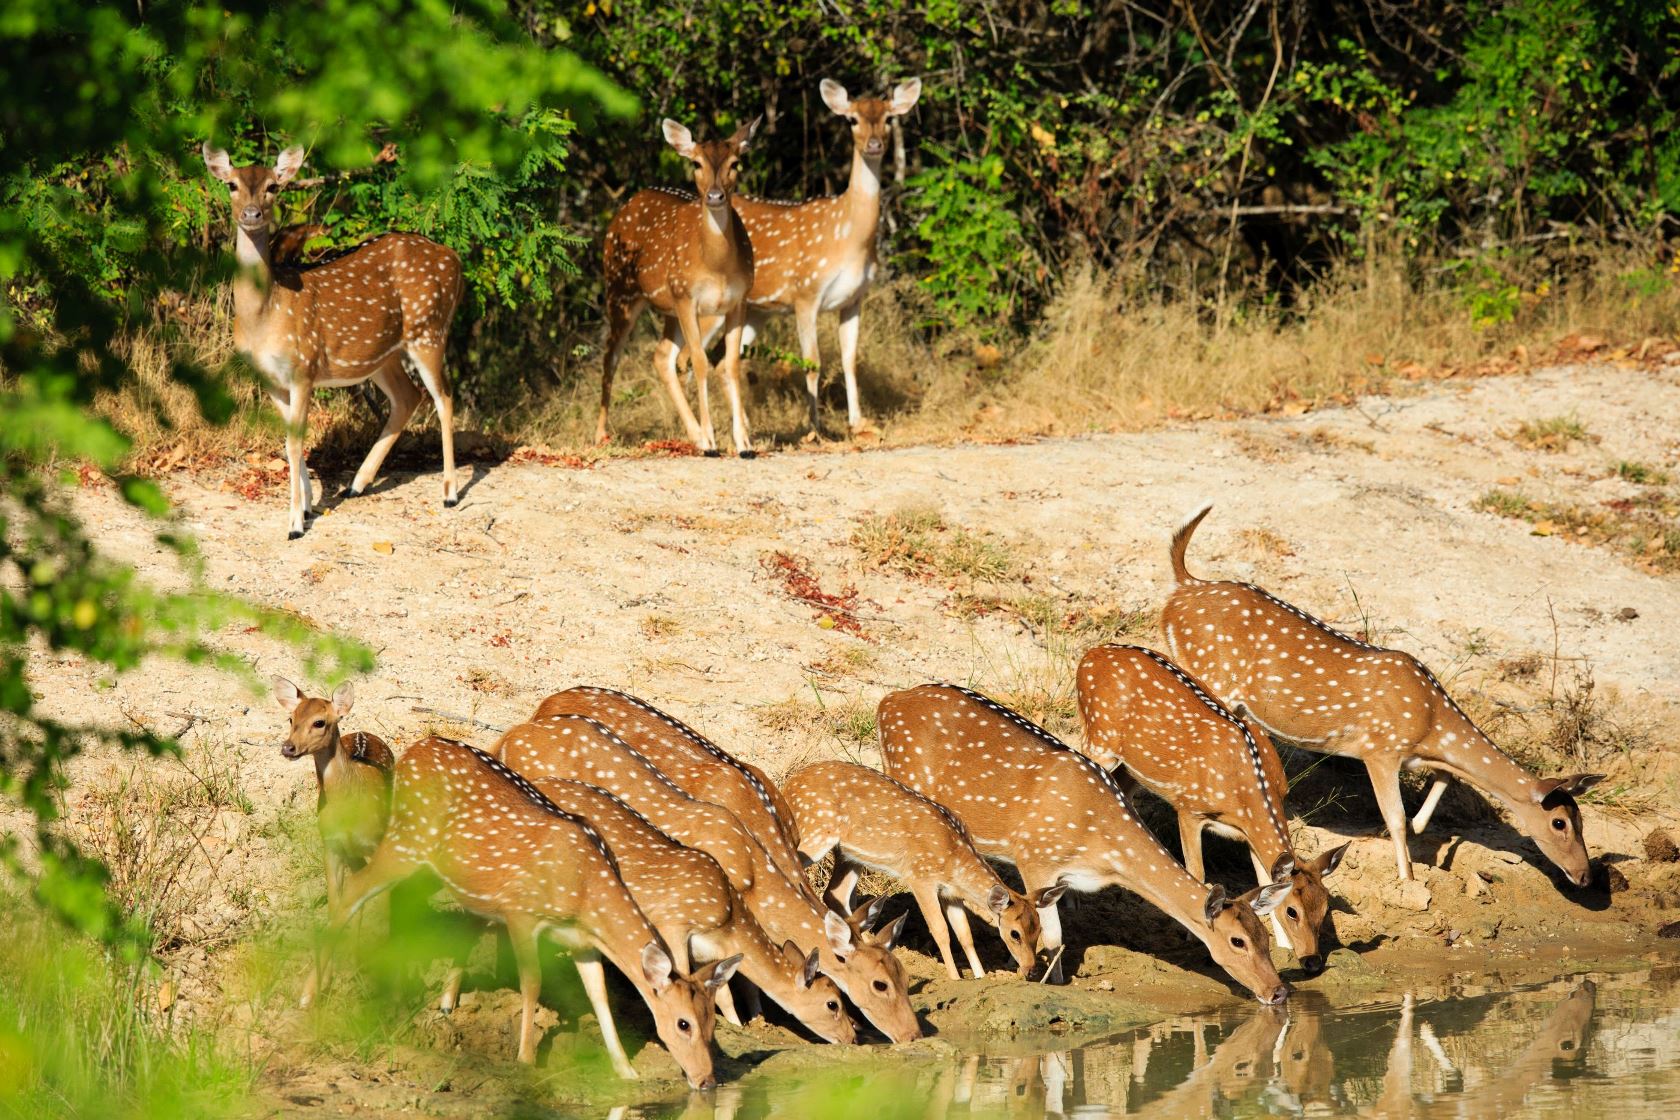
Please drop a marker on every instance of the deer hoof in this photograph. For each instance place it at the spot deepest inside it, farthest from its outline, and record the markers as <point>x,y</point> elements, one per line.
<point>346,494</point>
<point>294,534</point>
<point>749,453</point>
<point>451,503</point>
<point>712,453</point>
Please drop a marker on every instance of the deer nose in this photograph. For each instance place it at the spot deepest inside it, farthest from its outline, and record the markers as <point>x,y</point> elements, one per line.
<point>1279,994</point>
<point>707,1082</point>
<point>714,197</point>
<point>873,147</point>
<point>1313,964</point>
<point>250,214</point>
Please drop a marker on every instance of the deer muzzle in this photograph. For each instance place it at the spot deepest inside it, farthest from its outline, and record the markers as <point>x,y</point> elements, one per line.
<point>714,197</point>
<point>1277,996</point>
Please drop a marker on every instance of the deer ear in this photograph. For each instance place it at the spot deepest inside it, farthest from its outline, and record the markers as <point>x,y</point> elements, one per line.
<point>888,937</point>
<point>1327,862</point>
<point>285,694</point>
<point>904,97</point>
<point>678,136</point>
<point>288,165</point>
<point>656,966</point>
<point>343,699</point>
<point>863,919</point>
<point>998,901</point>
<point>1283,867</point>
<point>1049,896</point>
<point>1574,785</point>
<point>743,135</point>
<point>839,933</point>
<point>217,161</point>
<point>1216,901</point>
<point>1268,898</point>
<point>834,95</point>
<point>718,973</point>
<point>813,967</point>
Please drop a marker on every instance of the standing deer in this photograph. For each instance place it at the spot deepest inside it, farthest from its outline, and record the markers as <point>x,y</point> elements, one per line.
<point>508,853</point>
<point>1164,731</point>
<point>352,782</point>
<point>697,764</point>
<point>686,896</point>
<point>867,819</point>
<point>687,258</point>
<point>1314,686</point>
<point>1059,818</point>
<point>339,323</point>
<point>860,962</point>
<point>819,255</point>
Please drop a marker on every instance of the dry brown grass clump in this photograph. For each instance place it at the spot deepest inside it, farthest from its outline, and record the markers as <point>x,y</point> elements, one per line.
<point>919,542</point>
<point>1644,529</point>
<point>1553,433</point>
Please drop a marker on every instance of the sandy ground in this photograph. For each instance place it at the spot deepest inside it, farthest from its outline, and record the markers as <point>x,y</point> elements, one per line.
<point>648,575</point>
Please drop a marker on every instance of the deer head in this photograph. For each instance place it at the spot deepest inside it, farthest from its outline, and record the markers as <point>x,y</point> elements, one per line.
<point>1238,940</point>
<point>1305,913</point>
<point>682,1009</point>
<point>816,999</point>
<point>870,116</point>
<point>1552,819</point>
<point>869,973</point>
<point>314,721</point>
<point>252,190</point>
<point>716,162</point>
<point>1017,921</point>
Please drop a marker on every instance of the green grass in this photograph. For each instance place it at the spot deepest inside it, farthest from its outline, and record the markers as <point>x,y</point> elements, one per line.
<point>1552,433</point>
<point>918,542</point>
<point>1641,474</point>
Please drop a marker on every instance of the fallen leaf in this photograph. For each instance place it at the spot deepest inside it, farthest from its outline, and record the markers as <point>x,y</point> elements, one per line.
<point>383,547</point>
<point>1542,529</point>
<point>1508,480</point>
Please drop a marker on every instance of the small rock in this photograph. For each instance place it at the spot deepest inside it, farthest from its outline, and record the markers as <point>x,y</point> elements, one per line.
<point>1660,847</point>
<point>1473,884</point>
<point>1627,614</point>
<point>1611,878</point>
<point>1672,929</point>
<point>1412,895</point>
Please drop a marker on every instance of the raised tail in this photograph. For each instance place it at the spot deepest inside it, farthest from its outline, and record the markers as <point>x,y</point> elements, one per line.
<point>1181,541</point>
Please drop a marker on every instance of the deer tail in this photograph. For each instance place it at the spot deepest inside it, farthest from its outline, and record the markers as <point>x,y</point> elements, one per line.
<point>1181,541</point>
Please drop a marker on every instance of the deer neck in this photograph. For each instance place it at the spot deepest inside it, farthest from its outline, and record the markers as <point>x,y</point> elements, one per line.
<point>1460,748</point>
<point>720,248</point>
<point>253,285</point>
<point>1171,889</point>
<point>863,198</point>
<point>618,928</point>
<point>972,879</point>
<point>760,959</point>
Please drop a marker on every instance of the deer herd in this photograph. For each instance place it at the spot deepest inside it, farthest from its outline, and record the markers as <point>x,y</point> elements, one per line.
<point>634,840</point>
<point>629,837</point>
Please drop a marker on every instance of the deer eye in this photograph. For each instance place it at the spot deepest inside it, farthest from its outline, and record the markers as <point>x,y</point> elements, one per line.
<point>1293,913</point>
<point>1557,823</point>
<point>880,985</point>
<point>1567,1046</point>
<point>320,723</point>
<point>1238,943</point>
<point>832,1005</point>
<point>1015,934</point>
<point>684,1025</point>
<point>271,188</point>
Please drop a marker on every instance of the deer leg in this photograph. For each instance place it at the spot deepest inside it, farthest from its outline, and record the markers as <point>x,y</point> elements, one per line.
<point>450,998</point>
<point>842,881</point>
<point>690,326</point>
<point>295,412</point>
<point>738,431</point>
<point>429,361</point>
<point>849,322</point>
<point>522,934</point>
<point>1385,780</point>
<point>665,365</point>
<point>805,319</point>
<point>1264,875</point>
<point>1430,800</point>
<point>620,317</point>
<point>725,1000</point>
<point>1190,839</point>
<point>383,870</point>
<point>957,914</point>
<point>926,895</point>
<point>588,963</point>
<point>318,976</point>
<point>403,396</point>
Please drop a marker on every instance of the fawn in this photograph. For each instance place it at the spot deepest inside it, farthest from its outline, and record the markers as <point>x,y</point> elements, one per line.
<point>1163,730</point>
<point>1060,818</point>
<point>1318,688</point>
<point>869,819</point>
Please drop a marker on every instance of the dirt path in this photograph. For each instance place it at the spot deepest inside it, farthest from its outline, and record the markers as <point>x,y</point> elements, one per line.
<point>648,574</point>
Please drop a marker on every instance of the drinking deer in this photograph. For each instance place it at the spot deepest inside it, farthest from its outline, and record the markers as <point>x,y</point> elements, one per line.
<point>687,258</point>
<point>686,896</point>
<point>819,255</point>
<point>1060,818</point>
<point>858,960</point>
<point>339,323</point>
<point>697,764</point>
<point>868,819</point>
<point>509,853</point>
<point>1158,724</point>
<point>1312,685</point>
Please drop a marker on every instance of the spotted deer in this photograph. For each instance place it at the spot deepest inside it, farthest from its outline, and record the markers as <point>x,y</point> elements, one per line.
<point>510,854</point>
<point>1312,685</point>
<point>352,785</point>
<point>819,255</point>
<point>870,820</point>
<point>1163,730</point>
<point>859,961</point>
<point>1028,798</point>
<point>687,258</point>
<point>355,317</point>
<point>697,764</point>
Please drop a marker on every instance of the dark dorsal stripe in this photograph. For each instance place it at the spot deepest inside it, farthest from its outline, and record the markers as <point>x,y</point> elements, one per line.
<point>1042,735</point>
<point>537,797</point>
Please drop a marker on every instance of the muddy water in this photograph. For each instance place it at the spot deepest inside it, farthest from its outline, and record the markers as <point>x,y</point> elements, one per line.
<point>1598,1045</point>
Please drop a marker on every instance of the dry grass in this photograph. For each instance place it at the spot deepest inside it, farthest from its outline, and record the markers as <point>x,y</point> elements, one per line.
<point>1553,433</point>
<point>919,542</point>
<point>1644,529</point>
